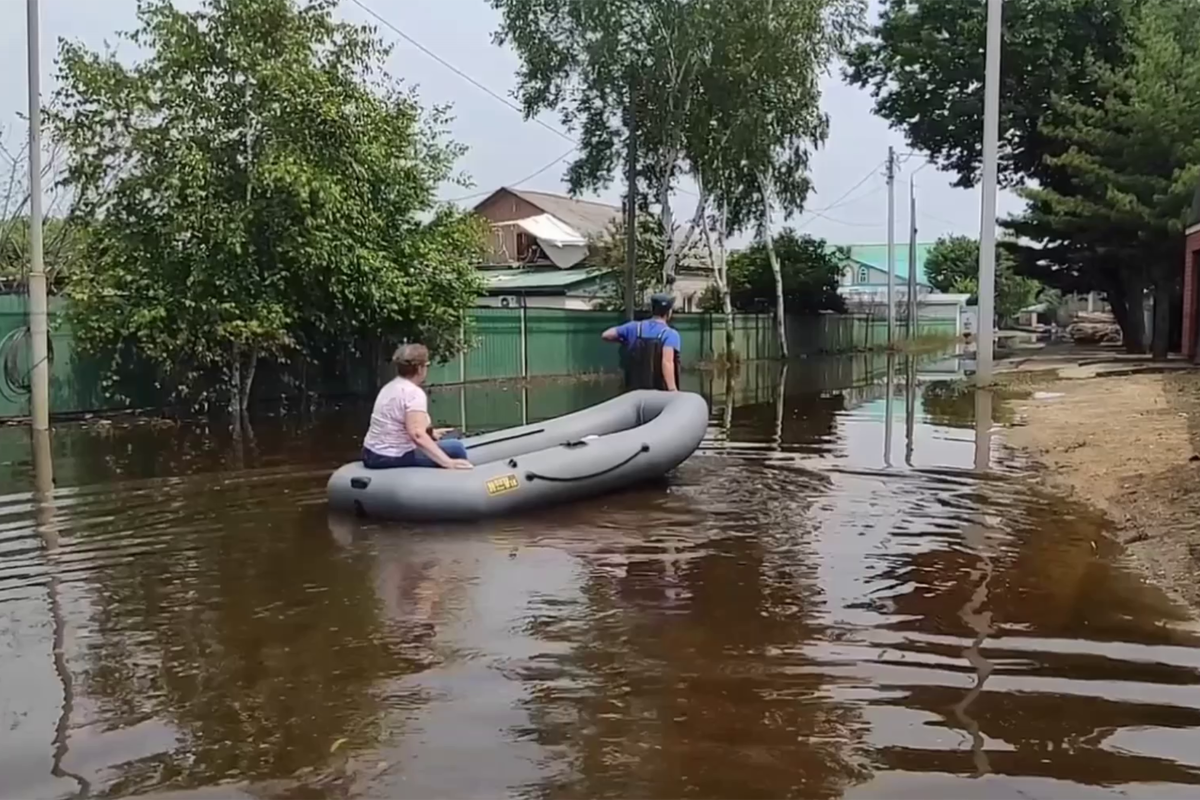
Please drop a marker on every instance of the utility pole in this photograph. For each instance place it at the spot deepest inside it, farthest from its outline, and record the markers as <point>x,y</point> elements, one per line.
<point>631,210</point>
<point>987,205</point>
<point>891,244</point>
<point>38,348</point>
<point>912,258</point>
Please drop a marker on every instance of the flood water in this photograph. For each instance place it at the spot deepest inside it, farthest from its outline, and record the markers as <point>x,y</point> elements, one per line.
<point>845,592</point>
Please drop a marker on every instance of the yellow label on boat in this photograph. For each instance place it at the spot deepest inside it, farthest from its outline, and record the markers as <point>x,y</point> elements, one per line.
<point>505,483</point>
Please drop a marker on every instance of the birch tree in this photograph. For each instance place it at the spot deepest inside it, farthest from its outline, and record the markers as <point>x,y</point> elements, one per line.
<point>759,119</point>
<point>594,61</point>
<point>725,92</point>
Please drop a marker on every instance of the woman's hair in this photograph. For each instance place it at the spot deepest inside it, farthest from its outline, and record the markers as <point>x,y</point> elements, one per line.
<point>409,358</point>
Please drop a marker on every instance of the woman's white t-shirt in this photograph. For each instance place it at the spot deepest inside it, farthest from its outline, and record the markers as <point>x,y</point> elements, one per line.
<point>387,434</point>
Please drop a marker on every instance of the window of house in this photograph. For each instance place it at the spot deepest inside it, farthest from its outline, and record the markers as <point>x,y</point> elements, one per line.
<point>863,275</point>
<point>524,246</point>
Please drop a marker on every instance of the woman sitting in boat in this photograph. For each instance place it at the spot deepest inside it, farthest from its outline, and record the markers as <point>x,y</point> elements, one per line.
<point>400,434</point>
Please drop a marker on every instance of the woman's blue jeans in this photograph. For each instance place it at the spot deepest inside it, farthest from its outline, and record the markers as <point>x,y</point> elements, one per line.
<point>413,458</point>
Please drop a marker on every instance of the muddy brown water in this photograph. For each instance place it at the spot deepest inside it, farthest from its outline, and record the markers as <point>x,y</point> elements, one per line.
<point>818,604</point>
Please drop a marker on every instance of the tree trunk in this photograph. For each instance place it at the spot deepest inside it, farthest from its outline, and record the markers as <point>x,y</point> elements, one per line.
<point>1120,311</point>
<point>668,229</point>
<point>235,382</point>
<point>248,379</point>
<point>1161,341</point>
<point>716,257</point>
<point>1133,330</point>
<point>780,320</point>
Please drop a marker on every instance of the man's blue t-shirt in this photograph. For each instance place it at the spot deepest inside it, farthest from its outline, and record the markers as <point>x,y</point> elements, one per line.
<point>651,329</point>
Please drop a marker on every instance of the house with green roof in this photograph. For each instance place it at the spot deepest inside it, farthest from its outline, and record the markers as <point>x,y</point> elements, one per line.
<point>867,265</point>
<point>577,288</point>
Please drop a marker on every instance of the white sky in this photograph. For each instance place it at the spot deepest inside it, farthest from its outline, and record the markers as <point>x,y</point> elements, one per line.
<point>504,149</point>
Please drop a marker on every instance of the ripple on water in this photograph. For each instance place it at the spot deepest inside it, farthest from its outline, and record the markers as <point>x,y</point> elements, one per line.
<point>818,604</point>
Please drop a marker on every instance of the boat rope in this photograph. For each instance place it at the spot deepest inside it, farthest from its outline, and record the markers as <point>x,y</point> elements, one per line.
<point>532,476</point>
<point>509,438</point>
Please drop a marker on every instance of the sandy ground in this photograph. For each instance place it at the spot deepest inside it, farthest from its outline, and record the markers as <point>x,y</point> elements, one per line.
<point>1126,444</point>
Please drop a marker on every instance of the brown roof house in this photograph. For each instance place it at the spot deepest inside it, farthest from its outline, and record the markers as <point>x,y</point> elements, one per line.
<point>539,250</point>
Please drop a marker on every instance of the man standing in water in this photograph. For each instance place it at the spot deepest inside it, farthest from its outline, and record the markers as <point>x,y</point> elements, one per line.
<point>651,348</point>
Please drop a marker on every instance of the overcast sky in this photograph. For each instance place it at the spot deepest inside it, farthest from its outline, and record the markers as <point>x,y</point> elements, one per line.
<point>505,149</point>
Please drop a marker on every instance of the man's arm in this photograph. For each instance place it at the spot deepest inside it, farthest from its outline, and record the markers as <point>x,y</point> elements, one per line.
<point>670,353</point>
<point>668,367</point>
<point>616,333</point>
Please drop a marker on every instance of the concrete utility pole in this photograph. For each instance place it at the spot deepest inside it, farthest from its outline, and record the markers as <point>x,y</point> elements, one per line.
<point>891,245</point>
<point>912,258</point>
<point>631,212</point>
<point>987,205</point>
<point>39,400</point>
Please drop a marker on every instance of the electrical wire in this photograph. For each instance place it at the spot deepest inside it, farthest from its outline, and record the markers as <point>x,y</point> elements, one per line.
<point>485,89</point>
<point>874,171</point>
<point>528,177</point>
<point>491,93</point>
<point>843,222</point>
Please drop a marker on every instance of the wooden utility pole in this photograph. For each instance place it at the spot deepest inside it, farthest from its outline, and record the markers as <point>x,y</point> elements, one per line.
<point>39,355</point>
<point>912,259</point>
<point>891,245</point>
<point>988,182</point>
<point>631,209</point>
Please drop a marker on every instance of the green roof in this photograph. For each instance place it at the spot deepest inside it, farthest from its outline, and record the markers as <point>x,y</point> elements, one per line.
<point>505,281</point>
<point>875,255</point>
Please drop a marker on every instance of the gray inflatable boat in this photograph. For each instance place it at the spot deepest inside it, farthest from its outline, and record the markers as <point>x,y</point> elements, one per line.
<point>631,438</point>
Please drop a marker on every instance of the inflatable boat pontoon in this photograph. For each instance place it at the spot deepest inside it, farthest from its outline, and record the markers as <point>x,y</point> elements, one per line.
<point>631,438</point>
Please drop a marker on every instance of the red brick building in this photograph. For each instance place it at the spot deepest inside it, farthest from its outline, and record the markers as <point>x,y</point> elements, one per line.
<point>1191,280</point>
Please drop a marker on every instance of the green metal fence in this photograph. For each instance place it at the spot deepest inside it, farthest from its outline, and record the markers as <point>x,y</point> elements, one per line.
<point>508,343</point>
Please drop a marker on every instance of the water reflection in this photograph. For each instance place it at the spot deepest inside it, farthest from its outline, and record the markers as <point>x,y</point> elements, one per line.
<point>797,612</point>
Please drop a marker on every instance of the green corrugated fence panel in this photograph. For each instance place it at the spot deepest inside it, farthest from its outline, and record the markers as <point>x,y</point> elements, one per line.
<point>562,342</point>
<point>497,353</point>
<point>479,407</point>
<point>74,378</point>
<point>557,342</point>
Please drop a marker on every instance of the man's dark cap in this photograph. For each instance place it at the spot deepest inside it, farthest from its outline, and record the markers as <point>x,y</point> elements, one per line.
<point>661,302</point>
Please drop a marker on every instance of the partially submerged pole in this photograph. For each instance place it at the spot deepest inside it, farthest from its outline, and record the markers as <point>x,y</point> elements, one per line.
<point>987,205</point>
<point>39,356</point>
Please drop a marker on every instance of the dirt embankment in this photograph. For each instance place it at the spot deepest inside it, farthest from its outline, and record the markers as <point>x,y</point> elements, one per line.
<point>1128,445</point>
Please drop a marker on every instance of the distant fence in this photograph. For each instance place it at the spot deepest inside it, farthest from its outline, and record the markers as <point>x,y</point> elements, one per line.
<point>542,342</point>
<point>508,343</point>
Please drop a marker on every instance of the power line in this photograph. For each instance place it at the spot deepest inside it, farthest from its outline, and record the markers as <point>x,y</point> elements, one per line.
<point>460,73</point>
<point>818,212</point>
<point>491,93</point>
<point>843,222</point>
<point>858,199</point>
<point>936,218</point>
<point>528,177</point>
<point>874,171</point>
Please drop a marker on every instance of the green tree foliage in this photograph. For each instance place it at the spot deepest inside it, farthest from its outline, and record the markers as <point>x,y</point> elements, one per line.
<point>60,249</point>
<point>607,252</point>
<point>1133,162</point>
<point>256,187</point>
<point>726,91</point>
<point>954,259</point>
<point>924,64</point>
<point>810,269</point>
<point>60,242</point>
<point>953,266</point>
